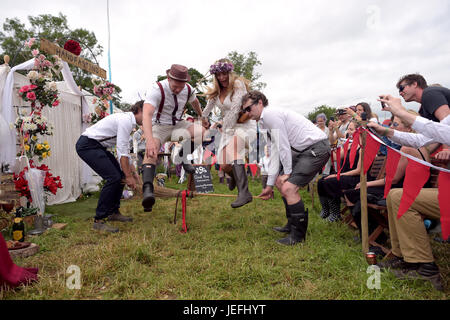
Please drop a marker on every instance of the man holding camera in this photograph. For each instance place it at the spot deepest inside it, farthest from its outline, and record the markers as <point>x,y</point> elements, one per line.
<point>338,128</point>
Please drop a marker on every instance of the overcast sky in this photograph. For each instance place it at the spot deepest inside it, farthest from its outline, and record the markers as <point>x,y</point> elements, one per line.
<point>312,52</point>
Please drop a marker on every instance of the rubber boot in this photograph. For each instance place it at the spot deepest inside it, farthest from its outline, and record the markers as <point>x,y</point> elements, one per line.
<point>186,144</point>
<point>244,196</point>
<point>324,202</point>
<point>287,227</point>
<point>148,174</point>
<point>299,224</point>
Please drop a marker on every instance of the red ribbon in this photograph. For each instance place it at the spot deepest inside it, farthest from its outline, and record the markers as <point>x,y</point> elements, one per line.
<point>183,206</point>
<point>444,202</point>
<point>345,158</point>
<point>338,160</point>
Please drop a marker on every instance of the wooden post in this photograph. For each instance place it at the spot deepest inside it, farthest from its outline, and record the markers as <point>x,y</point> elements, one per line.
<point>363,197</point>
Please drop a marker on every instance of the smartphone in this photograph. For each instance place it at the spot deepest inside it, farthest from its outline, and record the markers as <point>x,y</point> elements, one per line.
<point>383,105</point>
<point>332,118</point>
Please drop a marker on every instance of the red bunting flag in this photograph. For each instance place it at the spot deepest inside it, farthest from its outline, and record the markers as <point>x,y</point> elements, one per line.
<point>391,167</point>
<point>370,151</point>
<point>354,148</point>
<point>444,203</point>
<point>416,176</point>
<point>338,159</point>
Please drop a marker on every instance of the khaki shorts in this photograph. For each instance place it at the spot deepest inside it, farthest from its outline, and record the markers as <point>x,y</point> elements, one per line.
<point>168,132</point>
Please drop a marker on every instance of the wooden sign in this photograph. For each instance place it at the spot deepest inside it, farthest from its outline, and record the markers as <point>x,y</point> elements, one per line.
<point>202,179</point>
<point>69,57</point>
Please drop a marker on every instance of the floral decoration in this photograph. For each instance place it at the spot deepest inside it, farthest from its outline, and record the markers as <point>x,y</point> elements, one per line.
<point>103,90</point>
<point>51,183</point>
<point>73,47</point>
<point>221,67</point>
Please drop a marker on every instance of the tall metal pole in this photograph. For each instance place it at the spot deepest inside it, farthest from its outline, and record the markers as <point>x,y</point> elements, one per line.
<point>109,53</point>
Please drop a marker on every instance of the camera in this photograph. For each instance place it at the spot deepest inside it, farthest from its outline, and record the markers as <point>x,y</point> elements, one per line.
<point>340,112</point>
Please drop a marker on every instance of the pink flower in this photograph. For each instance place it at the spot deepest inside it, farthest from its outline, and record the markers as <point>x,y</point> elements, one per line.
<point>35,52</point>
<point>56,103</point>
<point>32,87</point>
<point>31,95</point>
<point>24,89</point>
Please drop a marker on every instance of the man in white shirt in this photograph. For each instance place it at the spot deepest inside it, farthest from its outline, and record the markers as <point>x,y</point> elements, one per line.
<point>163,109</point>
<point>112,131</point>
<point>300,147</point>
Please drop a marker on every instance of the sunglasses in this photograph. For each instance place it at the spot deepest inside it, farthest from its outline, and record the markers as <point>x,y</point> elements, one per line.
<point>401,88</point>
<point>248,108</point>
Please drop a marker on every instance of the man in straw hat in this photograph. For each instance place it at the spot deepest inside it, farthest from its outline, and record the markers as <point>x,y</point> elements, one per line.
<point>163,109</point>
<point>300,147</point>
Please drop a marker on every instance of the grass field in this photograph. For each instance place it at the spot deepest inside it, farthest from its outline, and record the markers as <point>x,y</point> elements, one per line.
<point>226,254</point>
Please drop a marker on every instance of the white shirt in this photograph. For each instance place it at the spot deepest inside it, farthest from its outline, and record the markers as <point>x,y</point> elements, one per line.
<point>154,98</point>
<point>264,165</point>
<point>287,129</point>
<point>118,127</point>
<point>428,132</point>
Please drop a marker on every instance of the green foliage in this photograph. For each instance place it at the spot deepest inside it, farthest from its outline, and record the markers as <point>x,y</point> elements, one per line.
<point>244,65</point>
<point>54,29</point>
<point>329,112</point>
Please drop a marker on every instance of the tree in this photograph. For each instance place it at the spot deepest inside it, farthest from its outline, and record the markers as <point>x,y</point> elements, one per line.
<point>329,112</point>
<point>244,65</point>
<point>54,29</point>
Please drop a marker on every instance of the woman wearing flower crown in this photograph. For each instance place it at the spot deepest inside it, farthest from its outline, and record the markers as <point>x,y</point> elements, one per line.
<point>226,94</point>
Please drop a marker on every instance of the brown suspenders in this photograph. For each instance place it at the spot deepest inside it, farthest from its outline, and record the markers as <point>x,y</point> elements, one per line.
<point>163,96</point>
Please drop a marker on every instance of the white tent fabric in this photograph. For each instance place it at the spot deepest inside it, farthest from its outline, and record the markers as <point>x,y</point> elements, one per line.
<point>67,121</point>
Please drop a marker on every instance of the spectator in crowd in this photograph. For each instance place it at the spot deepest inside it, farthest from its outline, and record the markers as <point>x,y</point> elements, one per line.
<point>337,129</point>
<point>321,120</point>
<point>375,188</point>
<point>411,249</point>
<point>330,189</point>
<point>139,147</point>
<point>360,108</point>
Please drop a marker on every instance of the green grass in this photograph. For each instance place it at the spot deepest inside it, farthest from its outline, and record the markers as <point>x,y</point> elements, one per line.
<point>226,254</point>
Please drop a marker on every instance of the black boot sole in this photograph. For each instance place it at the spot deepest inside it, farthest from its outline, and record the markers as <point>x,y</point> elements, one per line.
<point>148,203</point>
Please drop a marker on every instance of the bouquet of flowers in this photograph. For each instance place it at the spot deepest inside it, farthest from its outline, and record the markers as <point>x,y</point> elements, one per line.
<point>51,183</point>
<point>103,90</point>
<point>43,90</point>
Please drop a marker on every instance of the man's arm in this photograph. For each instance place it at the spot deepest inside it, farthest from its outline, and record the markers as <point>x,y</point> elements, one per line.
<point>130,174</point>
<point>147,115</point>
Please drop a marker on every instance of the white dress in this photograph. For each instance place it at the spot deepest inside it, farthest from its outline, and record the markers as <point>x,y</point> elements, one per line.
<point>230,109</point>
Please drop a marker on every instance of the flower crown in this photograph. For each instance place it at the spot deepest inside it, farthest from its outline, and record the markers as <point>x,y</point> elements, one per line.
<point>221,67</point>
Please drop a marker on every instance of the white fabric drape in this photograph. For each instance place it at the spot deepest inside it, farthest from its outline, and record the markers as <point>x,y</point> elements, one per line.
<point>8,145</point>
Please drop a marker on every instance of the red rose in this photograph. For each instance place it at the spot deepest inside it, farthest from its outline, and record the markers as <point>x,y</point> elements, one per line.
<point>73,46</point>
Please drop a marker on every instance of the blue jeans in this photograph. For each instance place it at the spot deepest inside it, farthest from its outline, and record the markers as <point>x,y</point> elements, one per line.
<point>106,166</point>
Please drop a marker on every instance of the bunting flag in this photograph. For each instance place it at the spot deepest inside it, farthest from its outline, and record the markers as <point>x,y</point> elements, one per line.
<point>354,148</point>
<point>416,176</point>
<point>444,203</point>
<point>391,167</point>
<point>345,146</point>
<point>370,152</point>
